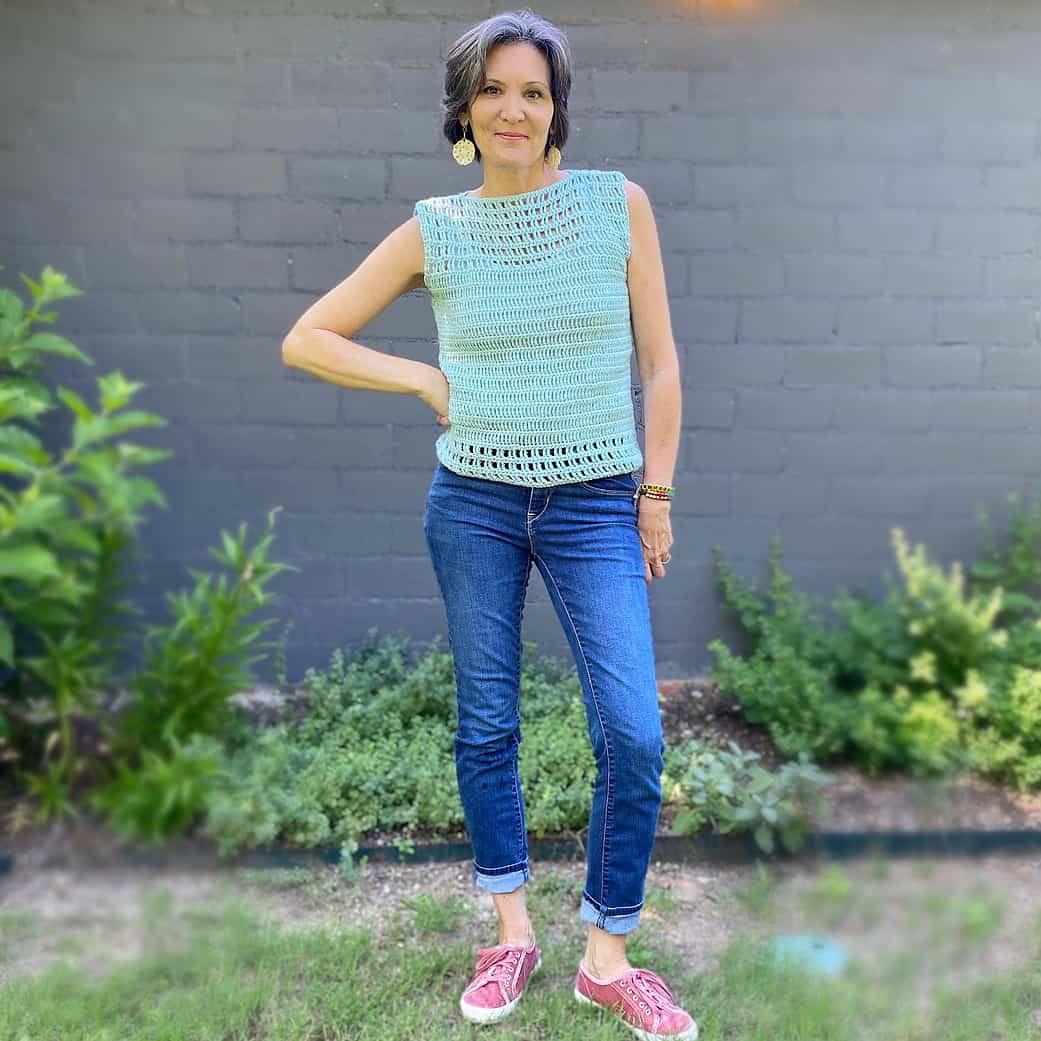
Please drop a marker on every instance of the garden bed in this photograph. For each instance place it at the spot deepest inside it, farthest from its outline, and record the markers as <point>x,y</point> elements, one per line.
<point>855,802</point>
<point>690,707</point>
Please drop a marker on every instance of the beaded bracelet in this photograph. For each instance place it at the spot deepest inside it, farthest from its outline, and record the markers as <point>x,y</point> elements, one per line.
<point>656,491</point>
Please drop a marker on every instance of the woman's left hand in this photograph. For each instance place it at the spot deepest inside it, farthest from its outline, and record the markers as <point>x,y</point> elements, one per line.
<point>655,535</point>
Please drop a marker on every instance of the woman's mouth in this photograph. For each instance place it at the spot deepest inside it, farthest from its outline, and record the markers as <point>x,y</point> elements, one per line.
<point>511,137</point>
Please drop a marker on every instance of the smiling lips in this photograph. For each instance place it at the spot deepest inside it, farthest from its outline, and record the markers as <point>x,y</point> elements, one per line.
<point>511,137</point>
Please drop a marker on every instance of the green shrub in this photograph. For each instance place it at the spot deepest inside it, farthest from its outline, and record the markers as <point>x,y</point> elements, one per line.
<point>1015,566</point>
<point>729,791</point>
<point>164,792</point>
<point>66,524</point>
<point>161,762</point>
<point>786,682</point>
<point>375,750</point>
<point>927,680</point>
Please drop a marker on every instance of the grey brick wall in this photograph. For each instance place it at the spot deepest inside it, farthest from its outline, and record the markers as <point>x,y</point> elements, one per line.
<point>848,197</point>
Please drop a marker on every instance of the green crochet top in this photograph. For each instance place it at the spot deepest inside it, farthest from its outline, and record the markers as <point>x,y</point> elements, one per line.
<point>532,306</point>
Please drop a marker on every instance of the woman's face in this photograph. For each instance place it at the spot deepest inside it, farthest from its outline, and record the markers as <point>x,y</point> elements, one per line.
<point>513,99</point>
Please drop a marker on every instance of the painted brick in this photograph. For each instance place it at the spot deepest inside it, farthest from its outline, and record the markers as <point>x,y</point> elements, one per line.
<point>838,184</point>
<point>790,139</point>
<point>885,231</point>
<point>1012,276</point>
<point>689,137</point>
<point>784,229</point>
<point>704,321</point>
<point>882,408</point>
<point>708,408</point>
<point>640,90</point>
<point>933,276</point>
<point>981,409</point>
<point>848,207</point>
<point>238,267</point>
<point>735,274</point>
<point>287,130</point>
<point>1012,366</point>
<point>988,142</point>
<point>786,321</point>
<point>311,178</point>
<point>885,321</point>
<point>695,230</point>
<point>985,234</point>
<point>232,174</point>
<point>986,323</point>
<point>833,275</point>
<point>785,409</point>
<point>780,494</point>
<point>808,366</point>
<point>738,184</point>
<point>329,85</point>
<point>596,139</point>
<point>178,220</point>
<point>924,366</point>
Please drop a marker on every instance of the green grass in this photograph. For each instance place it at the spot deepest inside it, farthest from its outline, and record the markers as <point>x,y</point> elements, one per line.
<point>219,970</point>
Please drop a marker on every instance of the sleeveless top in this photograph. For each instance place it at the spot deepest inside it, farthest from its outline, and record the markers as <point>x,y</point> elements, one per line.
<point>531,300</point>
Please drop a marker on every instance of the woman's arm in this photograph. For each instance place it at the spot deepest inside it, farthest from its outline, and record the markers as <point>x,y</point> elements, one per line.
<point>655,347</point>
<point>320,340</point>
<point>659,376</point>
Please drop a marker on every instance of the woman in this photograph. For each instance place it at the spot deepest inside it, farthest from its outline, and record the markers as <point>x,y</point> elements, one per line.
<point>538,280</point>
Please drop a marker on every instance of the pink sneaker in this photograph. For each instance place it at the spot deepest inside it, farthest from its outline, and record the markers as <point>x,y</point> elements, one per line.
<point>498,982</point>
<point>641,1000</point>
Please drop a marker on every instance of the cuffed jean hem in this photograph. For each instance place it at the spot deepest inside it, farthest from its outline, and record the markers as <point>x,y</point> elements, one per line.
<point>610,923</point>
<point>504,882</point>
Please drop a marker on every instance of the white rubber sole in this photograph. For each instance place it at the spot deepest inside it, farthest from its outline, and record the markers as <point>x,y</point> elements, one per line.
<point>644,1035</point>
<point>475,1014</point>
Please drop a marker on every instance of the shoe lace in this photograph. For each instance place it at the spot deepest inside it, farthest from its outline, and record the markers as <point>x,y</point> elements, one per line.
<point>653,990</point>
<point>505,959</point>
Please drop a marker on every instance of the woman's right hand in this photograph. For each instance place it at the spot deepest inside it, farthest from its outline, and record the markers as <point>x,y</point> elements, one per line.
<point>435,394</point>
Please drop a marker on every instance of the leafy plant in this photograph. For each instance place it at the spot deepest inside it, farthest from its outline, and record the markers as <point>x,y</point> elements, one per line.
<point>375,751</point>
<point>163,793</point>
<point>192,668</point>
<point>786,681</point>
<point>1015,567</point>
<point>730,791</point>
<point>929,679</point>
<point>66,525</point>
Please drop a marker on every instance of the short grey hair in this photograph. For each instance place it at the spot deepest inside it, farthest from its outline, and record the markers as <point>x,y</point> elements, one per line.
<point>466,60</point>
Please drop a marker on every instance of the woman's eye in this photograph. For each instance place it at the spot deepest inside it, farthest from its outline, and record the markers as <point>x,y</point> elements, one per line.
<point>537,93</point>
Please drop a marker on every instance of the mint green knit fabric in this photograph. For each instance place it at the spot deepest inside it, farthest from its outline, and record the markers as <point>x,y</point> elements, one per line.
<point>531,300</point>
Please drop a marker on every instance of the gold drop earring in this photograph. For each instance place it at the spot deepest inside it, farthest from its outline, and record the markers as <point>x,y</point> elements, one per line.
<point>553,157</point>
<point>463,151</point>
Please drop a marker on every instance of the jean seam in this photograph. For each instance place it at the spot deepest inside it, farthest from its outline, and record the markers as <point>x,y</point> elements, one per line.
<point>521,837</point>
<point>603,729</point>
<point>603,491</point>
<point>623,909</point>
<point>503,870</point>
<point>531,520</point>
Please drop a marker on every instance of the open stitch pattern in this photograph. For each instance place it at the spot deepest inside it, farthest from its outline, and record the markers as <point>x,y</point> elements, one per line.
<point>531,300</point>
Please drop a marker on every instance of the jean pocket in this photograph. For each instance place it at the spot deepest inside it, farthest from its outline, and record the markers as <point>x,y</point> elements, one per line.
<point>615,484</point>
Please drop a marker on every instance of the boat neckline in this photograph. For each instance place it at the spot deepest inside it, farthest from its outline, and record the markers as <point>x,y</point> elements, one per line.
<point>518,195</point>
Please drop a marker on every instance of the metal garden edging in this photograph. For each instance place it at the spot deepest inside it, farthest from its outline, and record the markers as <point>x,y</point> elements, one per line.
<point>695,849</point>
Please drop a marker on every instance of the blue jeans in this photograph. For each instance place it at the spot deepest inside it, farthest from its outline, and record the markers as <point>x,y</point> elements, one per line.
<point>483,536</point>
